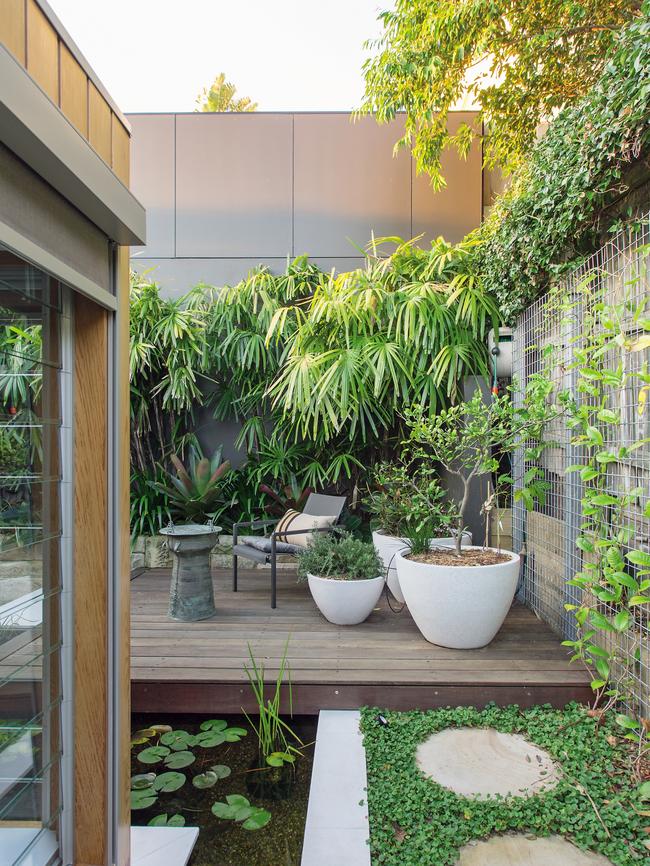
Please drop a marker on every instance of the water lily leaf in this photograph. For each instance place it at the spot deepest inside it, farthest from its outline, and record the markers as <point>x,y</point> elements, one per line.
<point>178,760</point>
<point>237,800</point>
<point>214,725</point>
<point>160,729</point>
<point>142,799</point>
<point>153,754</point>
<point>142,781</point>
<point>205,780</point>
<point>171,781</point>
<point>223,810</point>
<point>142,736</point>
<point>234,735</point>
<point>178,741</point>
<point>260,818</point>
<point>209,739</point>
<point>221,771</point>
<point>274,760</point>
<point>242,812</point>
<point>167,821</point>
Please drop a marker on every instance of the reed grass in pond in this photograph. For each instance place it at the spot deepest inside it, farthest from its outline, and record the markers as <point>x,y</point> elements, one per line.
<point>206,773</point>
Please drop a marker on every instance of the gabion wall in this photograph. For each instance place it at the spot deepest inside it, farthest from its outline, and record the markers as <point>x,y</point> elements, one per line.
<point>618,271</point>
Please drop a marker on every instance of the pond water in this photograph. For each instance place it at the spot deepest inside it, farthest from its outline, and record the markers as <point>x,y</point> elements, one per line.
<point>225,842</point>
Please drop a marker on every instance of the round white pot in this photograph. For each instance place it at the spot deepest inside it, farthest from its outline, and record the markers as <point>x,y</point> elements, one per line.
<point>462,607</point>
<point>345,602</point>
<point>388,545</point>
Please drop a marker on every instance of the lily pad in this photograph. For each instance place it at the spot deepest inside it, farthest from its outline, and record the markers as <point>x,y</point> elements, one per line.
<point>168,782</point>
<point>223,810</point>
<point>142,736</point>
<point>209,739</point>
<point>178,741</point>
<point>142,799</point>
<point>153,755</point>
<point>142,781</point>
<point>161,729</point>
<point>258,819</point>
<point>278,759</point>
<point>205,780</point>
<point>221,771</point>
<point>178,760</point>
<point>167,821</point>
<point>234,735</point>
<point>214,725</point>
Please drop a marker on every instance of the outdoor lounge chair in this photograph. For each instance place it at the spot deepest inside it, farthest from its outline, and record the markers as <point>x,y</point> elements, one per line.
<point>265,549</point>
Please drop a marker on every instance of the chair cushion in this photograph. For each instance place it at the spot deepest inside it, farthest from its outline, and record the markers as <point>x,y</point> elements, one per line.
<point>264,544</point>
<point>294,520</point>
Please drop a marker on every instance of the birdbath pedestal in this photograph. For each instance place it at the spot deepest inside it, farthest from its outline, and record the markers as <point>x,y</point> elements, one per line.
<point>191,596</point>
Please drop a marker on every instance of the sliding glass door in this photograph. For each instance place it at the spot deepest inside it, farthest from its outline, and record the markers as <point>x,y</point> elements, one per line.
<point>33,438</point>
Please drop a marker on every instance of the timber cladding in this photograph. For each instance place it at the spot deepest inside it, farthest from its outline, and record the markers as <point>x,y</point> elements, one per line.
<point>29,35</point>
<point>91,581</point>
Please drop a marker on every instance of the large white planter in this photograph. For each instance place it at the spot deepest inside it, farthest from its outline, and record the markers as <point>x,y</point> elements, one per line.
<point>388,545</point>
<point>462,607</point>
<point>345,602</point>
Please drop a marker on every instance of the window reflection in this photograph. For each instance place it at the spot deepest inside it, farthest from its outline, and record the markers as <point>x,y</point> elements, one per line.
<point>30,531</point>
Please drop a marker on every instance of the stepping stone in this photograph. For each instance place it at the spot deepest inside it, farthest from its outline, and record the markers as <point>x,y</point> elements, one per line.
<point>521,851</point>
<point>478,762</point>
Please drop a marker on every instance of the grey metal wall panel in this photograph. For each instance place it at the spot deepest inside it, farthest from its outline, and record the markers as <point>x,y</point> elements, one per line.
<point>347,183</point>
<point>233,185</point>
<point>32,208</point>
<point>152,177</point>
<point>456,209</point>
<point>176,276</point>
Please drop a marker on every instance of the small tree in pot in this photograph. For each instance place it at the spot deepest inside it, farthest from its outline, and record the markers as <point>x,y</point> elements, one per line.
<point>406,500</point>
<point>459,597</point>
<point>345,575</point>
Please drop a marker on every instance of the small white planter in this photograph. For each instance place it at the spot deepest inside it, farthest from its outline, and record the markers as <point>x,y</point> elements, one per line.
<point>462,607</point>
<point>345,602</point>
<point>388,545</point>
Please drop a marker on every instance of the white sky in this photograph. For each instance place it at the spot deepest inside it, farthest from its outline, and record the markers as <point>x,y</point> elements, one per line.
<point>156,55</point>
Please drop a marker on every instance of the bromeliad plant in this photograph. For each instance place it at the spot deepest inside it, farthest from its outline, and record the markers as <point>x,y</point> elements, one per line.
<point>195,493</point>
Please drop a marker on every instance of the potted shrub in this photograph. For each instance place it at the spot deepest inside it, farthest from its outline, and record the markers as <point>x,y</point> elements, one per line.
<point>194,495</point>
<point>407,500</point>
<point>459,596</point>
<point>345,576</point>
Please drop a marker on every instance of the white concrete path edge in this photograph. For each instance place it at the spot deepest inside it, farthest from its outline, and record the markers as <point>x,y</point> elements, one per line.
<point>337,830</point>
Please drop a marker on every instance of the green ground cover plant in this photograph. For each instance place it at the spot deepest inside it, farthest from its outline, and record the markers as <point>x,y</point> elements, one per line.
<point>597,804</point>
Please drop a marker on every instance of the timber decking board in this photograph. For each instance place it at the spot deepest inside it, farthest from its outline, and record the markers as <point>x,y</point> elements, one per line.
<point>197,667</point>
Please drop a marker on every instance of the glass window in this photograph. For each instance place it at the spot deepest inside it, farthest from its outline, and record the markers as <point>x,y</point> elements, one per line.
<point>30,562</point>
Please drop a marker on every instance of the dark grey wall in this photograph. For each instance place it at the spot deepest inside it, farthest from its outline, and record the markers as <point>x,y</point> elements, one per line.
<point>225,192</point>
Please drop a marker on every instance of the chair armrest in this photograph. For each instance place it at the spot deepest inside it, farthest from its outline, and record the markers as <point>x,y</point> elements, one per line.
<point>250,524</point>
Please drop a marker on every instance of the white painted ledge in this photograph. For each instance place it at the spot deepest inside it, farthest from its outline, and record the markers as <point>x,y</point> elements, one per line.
<point>162,846</point>
<point>337,830</point>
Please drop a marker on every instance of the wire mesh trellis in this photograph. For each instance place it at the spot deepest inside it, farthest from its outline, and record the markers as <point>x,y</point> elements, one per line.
<point>617,274</point>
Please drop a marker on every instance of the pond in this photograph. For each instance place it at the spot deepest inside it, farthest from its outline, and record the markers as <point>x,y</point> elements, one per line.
<point>221,756</point>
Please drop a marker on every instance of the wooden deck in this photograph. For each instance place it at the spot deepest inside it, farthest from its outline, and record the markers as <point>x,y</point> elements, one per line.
<point>199,667</point>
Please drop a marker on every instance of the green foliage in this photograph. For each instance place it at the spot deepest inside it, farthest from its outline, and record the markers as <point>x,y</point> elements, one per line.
<point>517,62</point>
<point>614,581</point>
<point>220,96</point>
<point>406,499</point>
<point>341,556</point>
<point>414,821</point>
<point>275,737</point>
<point>469,439</point>
<point>195,493</point>
<point>551,213</point>
<point>237,808</point>
<point>315,367</point>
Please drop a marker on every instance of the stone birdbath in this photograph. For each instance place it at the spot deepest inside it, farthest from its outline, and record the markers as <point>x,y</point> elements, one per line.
<point>191,596</point>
